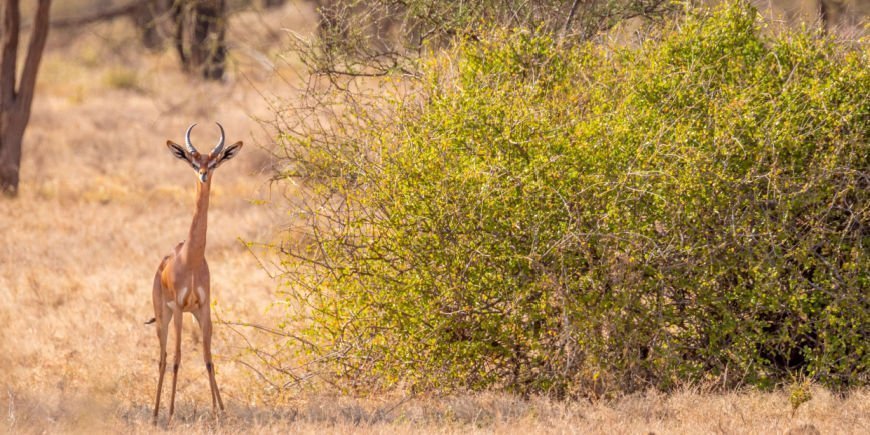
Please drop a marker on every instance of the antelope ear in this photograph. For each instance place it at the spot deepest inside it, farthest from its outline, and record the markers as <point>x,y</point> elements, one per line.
<point>230,152</point>
<point>177,151</point>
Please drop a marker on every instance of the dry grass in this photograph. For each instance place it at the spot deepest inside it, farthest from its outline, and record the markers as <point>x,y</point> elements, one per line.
<point>685,412</point>
<point>102,201</point>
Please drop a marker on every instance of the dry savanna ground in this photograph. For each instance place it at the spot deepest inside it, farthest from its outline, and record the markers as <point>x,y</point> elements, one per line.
<point>102,201</point>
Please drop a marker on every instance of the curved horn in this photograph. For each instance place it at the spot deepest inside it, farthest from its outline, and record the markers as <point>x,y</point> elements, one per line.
<point>220,145</point>
<point>187,139</point>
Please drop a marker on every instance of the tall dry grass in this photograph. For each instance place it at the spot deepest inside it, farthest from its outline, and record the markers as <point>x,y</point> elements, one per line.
<point>101,201</point>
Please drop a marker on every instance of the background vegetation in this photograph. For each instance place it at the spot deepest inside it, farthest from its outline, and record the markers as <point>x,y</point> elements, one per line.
<point>381,37</point>
<point>581,219</point>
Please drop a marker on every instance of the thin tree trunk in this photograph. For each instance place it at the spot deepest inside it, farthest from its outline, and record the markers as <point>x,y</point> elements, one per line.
<point>15,103</point>
<point>201,29</point>
<point>152,18</point>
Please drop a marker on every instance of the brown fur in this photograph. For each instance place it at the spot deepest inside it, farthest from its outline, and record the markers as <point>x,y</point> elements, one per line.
<point>183,273</point>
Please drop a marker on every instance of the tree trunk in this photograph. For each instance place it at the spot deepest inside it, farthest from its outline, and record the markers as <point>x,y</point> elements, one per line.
<point>201,27</point>
<point>15,103</point>
<point>152,18</point>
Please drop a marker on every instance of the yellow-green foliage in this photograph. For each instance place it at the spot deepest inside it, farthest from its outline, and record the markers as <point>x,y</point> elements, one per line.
<point>799,393</point>
<point>123,78</point>
<point>576,219</point>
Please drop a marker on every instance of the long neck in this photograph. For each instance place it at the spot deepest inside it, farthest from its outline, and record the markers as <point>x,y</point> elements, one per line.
<point>195,246</point>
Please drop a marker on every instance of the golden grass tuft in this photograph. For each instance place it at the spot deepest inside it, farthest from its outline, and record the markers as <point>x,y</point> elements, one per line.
<point>123,78</point>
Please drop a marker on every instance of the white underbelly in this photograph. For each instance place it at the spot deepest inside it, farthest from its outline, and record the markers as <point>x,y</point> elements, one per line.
<point>181,304</point>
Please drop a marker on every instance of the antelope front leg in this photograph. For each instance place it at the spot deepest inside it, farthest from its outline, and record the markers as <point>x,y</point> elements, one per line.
<point>203,316</point>
<point>162,333</point>
<point>177,318</point>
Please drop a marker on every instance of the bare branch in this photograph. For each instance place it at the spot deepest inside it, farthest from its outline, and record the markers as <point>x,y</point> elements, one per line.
<point>34,55</point>
<point>270,330</point>
<point>119,11</point>
<point>570,18</point>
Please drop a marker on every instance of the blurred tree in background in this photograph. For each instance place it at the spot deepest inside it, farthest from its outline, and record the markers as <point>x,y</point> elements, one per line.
<point>200,36</point>
<point>196,28</point>
<point>360,37</point>
<point>154,20</point>
<point>16,94</point>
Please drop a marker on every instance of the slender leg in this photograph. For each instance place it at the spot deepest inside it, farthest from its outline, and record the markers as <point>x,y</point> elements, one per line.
<point>203,316</point>
<point>178,316</point>
<point>162,333</point>
<point>162,316</point>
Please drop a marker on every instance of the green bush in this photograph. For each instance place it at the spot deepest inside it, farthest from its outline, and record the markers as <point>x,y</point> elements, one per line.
<point>582,220</point>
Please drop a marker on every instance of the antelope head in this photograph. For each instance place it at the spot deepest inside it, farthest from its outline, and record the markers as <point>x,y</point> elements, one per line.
<point>203,164</point>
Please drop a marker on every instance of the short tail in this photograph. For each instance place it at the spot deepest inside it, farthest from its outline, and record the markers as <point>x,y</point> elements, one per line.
<point>153,319</point>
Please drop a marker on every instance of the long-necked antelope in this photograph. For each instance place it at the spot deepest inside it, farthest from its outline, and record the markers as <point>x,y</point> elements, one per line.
<point>182,282</point>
